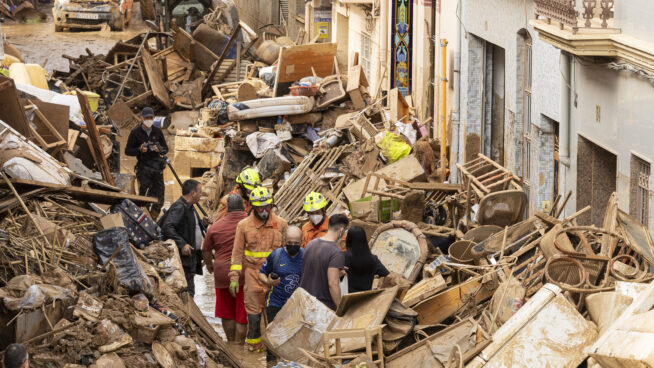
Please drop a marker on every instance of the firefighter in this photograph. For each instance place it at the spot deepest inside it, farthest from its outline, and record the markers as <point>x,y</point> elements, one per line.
<point>246,181</point>
<point>315,205</point>
<point>256,237</point>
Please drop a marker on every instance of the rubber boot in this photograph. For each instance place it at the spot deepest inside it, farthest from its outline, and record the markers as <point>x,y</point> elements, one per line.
<point>253,338</point>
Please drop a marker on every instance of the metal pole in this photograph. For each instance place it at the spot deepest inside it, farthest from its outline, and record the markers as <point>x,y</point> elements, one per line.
<point>443,106</point>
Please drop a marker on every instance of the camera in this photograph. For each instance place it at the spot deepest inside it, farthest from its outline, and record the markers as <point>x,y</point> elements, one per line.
<point>150,146</point>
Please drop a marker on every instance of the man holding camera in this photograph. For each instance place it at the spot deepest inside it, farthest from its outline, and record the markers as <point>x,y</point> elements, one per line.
<point>148,144</point>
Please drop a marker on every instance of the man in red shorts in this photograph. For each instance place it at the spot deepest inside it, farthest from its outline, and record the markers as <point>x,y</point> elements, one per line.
<point>220,240</point>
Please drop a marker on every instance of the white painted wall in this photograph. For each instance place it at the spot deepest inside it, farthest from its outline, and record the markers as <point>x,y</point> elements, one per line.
<point>498,22</point>
<point>625,125</point>
<point>357,25</point>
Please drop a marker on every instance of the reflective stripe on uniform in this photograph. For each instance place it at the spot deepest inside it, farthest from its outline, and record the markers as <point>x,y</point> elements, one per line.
<point>236,268</point>
<point>257,254</point>
<point>253,341</point>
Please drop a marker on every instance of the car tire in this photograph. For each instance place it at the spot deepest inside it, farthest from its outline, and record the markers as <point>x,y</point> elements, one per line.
<point>59,28</point>
<point>147,9</point>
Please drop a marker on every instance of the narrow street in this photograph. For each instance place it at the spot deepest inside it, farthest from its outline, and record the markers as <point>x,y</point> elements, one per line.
<point>326,183</point>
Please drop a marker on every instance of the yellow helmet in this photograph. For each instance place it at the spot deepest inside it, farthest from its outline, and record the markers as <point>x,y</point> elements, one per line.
<point>260,196</point>
<point>314,201</point>
<point>248,178</point>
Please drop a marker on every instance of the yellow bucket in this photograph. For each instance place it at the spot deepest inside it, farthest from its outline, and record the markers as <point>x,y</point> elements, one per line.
<point>93,98</point>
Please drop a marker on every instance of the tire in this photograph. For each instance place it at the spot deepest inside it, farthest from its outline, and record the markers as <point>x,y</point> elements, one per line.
<point>118,24</point>
<point>59,28</point>
<point>147,9</point>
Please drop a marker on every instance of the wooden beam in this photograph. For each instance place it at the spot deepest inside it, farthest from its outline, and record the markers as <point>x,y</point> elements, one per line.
<point>92,130</point>
<point>83,194</point>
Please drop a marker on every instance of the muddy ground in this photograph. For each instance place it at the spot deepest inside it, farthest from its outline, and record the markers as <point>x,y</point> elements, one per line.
<point>39,44</point>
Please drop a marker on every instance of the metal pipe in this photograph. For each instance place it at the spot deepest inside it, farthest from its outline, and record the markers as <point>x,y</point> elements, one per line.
<point>564,131</point>
<point>383,44</point>
<point>456,109</point>
<point>443,106</point>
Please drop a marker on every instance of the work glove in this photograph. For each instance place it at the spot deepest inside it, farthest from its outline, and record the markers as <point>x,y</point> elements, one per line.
<point>233,288</point>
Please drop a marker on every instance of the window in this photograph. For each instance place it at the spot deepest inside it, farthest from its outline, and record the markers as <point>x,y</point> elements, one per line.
<point>639,201</point>
<point>365,53</point>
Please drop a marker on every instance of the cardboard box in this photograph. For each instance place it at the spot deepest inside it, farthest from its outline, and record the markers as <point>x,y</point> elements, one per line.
<point>185,161</point>
<point>113,220</point>
<point>198,144</point>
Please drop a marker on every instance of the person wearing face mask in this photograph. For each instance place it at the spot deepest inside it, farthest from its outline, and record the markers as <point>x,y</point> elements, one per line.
<point>315,205</point>
<point>256,237</point>
<point>148,144</point>
<point>246,181</point>
<point>323,261</point>
<point>182,224</point>
<point>282,272</point>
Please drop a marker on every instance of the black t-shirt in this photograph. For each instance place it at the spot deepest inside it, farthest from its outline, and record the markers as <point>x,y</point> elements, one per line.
<point>357,282</point>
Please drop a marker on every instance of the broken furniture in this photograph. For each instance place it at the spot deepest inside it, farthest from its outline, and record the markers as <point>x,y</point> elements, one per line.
<point>369,335</point>
<point>466,338</point>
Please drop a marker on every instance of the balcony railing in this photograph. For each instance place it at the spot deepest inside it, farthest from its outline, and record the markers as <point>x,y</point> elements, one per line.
<point>565,12</point>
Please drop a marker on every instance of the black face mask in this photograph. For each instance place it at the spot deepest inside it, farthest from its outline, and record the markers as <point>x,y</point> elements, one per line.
<point>292,249</point>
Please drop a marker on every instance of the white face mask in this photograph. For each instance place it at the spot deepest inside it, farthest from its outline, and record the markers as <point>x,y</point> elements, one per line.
<point>315,219</point>
<point>148,123</point>
<point>263,214</point>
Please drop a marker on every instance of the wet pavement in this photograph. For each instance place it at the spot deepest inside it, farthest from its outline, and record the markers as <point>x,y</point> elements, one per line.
<point>205,298</point>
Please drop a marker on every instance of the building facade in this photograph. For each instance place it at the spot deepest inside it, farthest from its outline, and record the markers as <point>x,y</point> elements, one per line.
<point>561,101</point>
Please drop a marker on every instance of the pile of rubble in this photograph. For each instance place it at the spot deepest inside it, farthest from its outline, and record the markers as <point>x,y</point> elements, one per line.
<point>472,281</point>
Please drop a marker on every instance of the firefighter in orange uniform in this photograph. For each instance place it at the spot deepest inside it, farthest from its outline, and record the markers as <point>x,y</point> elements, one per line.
<point>256,237</point>
<point>246,181</point>
<point>315,205</point>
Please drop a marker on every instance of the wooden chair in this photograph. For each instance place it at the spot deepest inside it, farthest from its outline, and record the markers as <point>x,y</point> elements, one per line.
<point>367,333</point>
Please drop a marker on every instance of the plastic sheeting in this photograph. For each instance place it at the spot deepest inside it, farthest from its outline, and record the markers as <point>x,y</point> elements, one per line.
<point>129,270</point>
<point>259,143</point>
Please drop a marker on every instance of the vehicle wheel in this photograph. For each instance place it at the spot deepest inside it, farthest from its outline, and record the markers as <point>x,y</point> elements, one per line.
<point>59,28</point>
<point>147,9</point>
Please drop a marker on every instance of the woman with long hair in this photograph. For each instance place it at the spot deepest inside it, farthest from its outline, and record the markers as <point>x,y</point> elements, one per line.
<point>360,264</point>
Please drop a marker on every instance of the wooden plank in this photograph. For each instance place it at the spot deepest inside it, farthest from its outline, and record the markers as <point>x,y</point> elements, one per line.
<point>83,194</point>
<point>446,304</point>
<point>423,290</point>
<point>155,77</point>
<point>92,130</point>
<point>231,66</point>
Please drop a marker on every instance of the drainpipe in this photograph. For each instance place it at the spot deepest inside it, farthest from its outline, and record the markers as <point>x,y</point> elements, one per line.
<point>383,43</point>
<point>308,19</point>
<point>456,109</point>
<point>564,129</point>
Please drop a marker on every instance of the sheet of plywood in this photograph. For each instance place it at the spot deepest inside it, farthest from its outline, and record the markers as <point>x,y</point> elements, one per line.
<point>406,169</point>
<point>58,115</point>
<point>155,76</point>
<point>296,62</point>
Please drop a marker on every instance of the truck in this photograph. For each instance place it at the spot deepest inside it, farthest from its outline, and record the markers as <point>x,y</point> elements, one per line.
<point>91,14</point>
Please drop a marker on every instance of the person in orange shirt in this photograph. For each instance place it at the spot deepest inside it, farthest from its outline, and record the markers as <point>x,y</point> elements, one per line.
<point>315,205</point>
<point>256,237</point>
<point>246,181</point>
